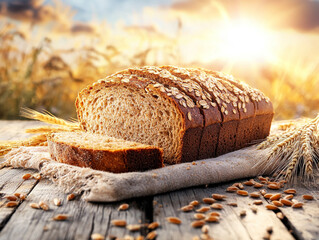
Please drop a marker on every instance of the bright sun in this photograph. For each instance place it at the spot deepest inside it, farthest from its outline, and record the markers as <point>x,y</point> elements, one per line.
<point>244,41</point>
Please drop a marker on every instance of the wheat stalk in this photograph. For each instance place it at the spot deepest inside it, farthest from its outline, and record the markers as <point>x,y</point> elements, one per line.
<point>48,118</point>
<point>6,146</point>
<point>47,129</point>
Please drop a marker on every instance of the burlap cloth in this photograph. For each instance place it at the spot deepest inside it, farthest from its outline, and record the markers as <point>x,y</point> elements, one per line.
<point>101,186</point>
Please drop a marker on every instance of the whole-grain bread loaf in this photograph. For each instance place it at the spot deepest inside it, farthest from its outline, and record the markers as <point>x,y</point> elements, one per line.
<point>190,113</point>
<point>103,153</point>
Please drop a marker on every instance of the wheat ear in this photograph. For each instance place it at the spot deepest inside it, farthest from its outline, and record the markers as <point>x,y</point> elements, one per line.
<point>307,150</point>
<point>6,146</point>
<point>48,118</point>
<point>292,166</point>
<point>282,144</point>
<point>273,139</point>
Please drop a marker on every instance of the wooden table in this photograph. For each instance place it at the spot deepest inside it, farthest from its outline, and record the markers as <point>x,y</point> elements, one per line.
<point>24,222</point>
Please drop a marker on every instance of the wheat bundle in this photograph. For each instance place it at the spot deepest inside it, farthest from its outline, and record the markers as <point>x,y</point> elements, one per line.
<point>295,151</point>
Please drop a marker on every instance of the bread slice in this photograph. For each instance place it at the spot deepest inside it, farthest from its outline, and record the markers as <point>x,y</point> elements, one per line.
<point>137,109</point>
<point>103,153</point>
<point>190,113</point>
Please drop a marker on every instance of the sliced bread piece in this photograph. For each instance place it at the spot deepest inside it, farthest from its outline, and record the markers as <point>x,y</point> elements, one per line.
<point>103,153</point>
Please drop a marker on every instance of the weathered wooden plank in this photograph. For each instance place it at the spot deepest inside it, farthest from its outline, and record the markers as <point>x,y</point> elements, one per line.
<point>85,218</point>
<point>11,182</point>
<point>257,223</point>
<point>169,205</point>
<point>231,226</point>
<point>304,222</point>
<point>14,130</point>
<point>11,179</point>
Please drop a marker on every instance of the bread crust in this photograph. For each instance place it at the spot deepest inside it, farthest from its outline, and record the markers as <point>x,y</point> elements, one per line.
<point>116,161</point>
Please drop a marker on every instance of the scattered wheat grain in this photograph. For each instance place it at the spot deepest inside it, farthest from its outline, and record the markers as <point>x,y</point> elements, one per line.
<point>271,207</point>
<point>26,176</point>
<point>12,204</point>
<point>60,217</point>
<point>275,196</point>
<point>70,197</point>
<point>35,205</point>
<point>242,193</point>
<point>174,220</point>
<point>216,206</point>
<point>118,223</point>
<point>198,223</point>
<point>286,202</point>
<point>123,207</point>
<point>153,225</point>
<point>209,200</point>
<point>258,202</point>
<point>97,236</point>
<point>219,197</point>
<point>307,197</point>
<point>203,209</point>
<point>151,235</point>
<point>297,205</point>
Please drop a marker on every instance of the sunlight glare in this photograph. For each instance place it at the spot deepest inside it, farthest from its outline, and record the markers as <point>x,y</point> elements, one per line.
<point>245,41</point>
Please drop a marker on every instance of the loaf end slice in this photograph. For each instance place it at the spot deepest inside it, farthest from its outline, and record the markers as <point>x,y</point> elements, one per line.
<point>102,152</point>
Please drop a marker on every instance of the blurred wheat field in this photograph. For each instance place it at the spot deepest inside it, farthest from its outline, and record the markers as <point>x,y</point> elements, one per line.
<point>44,66</point>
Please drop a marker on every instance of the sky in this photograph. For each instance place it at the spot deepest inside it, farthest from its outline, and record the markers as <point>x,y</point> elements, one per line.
<point>112,10</point>
<point>207,29</point>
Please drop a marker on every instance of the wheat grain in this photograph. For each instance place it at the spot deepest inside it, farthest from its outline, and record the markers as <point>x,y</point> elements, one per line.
<point>307,197</point>
<point>118,223</point>
<point>297,205</point>
<point>286,202</point>
<point>219,197</point>
<point>151,235</point>
<point>123,207</point>
<point>254,195</point>
<point>289,197</point>
<point>12,204</point>
<point>60,217</point>
<point>198,223</point>
<point>258,202</point>
<point>97,236</point>
<point>11,197</point>
<point>209,200</point>
<point>187,208</point>
<point>153,225</point>
<point>290,191</point>
<point>275,197</point>
<point>271,207</point>
<point>174,220</point>
<point>203,209</point>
